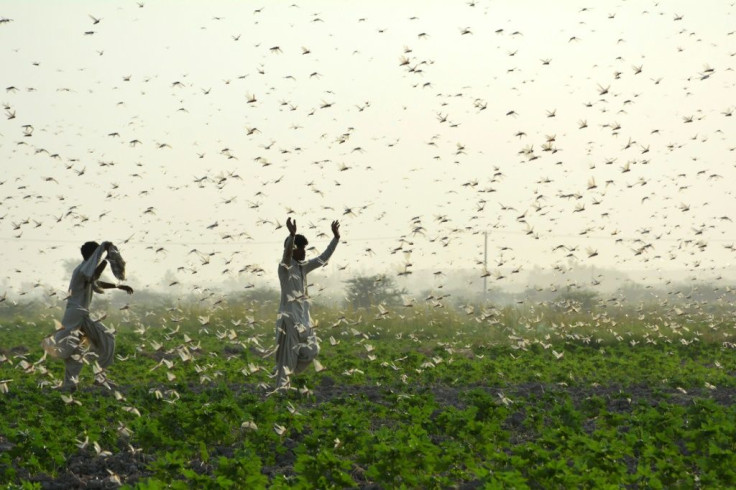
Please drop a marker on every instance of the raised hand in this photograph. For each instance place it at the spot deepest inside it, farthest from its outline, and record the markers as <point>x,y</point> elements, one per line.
<point>291,226</point>
<point>336,228</point>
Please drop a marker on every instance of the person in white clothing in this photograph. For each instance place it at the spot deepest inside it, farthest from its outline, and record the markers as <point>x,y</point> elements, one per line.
<point>77,324</point>
<point>296,344</point>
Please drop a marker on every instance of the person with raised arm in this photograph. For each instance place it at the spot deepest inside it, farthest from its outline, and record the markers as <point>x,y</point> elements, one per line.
<point>296,343</point>
<point>77,326</point>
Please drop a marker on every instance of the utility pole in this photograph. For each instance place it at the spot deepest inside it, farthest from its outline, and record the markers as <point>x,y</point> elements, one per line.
<point>485,266</point>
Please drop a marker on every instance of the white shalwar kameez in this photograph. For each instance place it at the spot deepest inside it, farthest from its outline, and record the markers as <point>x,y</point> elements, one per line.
<point>77,323</point>
<point>296,343</point>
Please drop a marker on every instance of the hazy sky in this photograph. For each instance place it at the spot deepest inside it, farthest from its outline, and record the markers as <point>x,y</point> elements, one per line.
<point>592,132</point>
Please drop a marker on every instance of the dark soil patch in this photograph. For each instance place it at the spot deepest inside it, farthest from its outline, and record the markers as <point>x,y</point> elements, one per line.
<point>87,470</point>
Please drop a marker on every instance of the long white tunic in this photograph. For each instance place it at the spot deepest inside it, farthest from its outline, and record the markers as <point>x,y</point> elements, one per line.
<point>80,290</point>
<point>297,345</point>
<point>294,304</point>
<point>76,320</point>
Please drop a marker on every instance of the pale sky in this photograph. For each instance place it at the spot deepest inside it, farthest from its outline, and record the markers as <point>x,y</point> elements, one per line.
<point>597,133</point>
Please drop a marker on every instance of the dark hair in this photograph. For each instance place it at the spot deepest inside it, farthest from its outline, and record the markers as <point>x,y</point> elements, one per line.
<point>300,241</point>
<point>88,249</point>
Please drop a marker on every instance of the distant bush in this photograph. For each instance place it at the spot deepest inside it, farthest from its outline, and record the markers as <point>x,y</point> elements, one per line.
<point>367,291</point>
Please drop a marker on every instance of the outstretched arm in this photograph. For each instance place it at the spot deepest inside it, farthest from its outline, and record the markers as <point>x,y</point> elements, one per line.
<point>325,256</point>
<point>109,285</point>
<point>289,245</point>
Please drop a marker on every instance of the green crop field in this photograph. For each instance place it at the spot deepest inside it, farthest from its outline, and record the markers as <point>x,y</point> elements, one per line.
<point>414,397</point>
